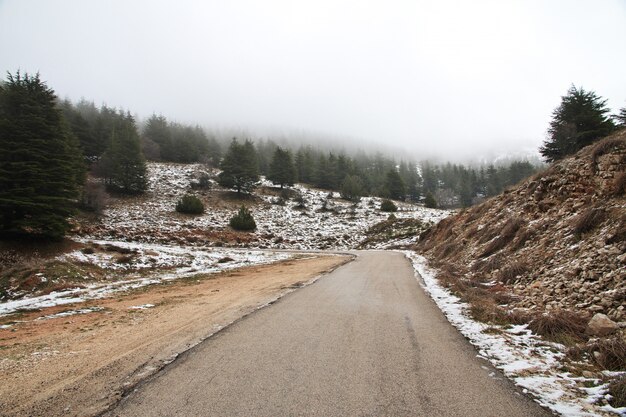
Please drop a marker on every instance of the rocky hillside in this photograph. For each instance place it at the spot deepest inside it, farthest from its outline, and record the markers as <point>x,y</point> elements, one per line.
<point>555,242</point>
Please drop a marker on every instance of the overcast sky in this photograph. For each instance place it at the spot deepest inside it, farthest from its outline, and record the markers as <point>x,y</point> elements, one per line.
<point>432,77</point>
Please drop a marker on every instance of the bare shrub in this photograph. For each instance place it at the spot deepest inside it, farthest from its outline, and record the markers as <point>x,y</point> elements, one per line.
<point>617,390</point>
<point>560,326</point>
<point>510,273</point>
<point>588,220</point>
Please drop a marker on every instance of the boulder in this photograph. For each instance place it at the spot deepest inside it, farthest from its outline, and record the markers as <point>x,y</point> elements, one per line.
<point>601,325</point>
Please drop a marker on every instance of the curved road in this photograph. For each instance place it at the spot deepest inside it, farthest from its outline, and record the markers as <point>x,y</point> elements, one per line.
<point>362,341</point>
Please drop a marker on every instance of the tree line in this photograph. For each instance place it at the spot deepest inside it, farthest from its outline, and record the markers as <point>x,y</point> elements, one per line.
<point>47,146</point>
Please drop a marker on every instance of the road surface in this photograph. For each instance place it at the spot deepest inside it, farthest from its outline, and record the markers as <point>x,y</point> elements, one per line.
<point>362,341</point>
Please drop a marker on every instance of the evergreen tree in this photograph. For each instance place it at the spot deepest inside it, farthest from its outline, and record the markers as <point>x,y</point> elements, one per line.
<point>157,130</point>
<point>323,173</point>
<point>41,167</point>
<point>239,167</point>
<point>352,188</point>
<point>429,201</point>
<point>282,170</point>
<point>123,162</point>
<point>394,186</point>
<point>305,164</point>
<point>80,128</point>
<point>620,118</point>
<point>579,120</point>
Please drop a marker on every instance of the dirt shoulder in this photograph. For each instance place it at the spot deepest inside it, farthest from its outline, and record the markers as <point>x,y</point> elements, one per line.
<point>83,363</point>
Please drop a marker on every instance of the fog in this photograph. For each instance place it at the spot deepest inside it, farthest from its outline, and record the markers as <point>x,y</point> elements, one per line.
<point>450,79</point>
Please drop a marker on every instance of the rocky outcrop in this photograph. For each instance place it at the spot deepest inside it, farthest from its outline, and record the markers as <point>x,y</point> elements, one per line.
<point>601,325</point>
<point>555,241</point>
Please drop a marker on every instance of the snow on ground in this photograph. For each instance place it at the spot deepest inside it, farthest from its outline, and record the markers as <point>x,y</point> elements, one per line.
<point>525,358</point>
<point>150,264</point>
<point>324,223</point>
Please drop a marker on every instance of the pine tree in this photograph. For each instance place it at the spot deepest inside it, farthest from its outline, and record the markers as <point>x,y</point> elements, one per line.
<point>579,121</point>
<point>620,118</point>
<point>394,186</point>
<point>352,188</point>
<point>124,164</point>
<point>429,201</point>
<point>158,131</point>
<point>41,168</point>
<point>305,164</point>
<point>282,170</point>
<point>239,167</point>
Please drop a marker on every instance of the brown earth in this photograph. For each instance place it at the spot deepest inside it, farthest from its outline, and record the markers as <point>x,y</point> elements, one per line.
<point>83,364</point>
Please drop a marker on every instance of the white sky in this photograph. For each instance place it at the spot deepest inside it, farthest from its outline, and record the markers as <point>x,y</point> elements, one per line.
<point>454,78</point>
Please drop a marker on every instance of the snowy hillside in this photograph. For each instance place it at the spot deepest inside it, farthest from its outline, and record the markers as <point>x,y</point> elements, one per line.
<point>317,221</point>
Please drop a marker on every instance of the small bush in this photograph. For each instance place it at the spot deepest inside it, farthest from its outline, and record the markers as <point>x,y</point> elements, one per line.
<point>190,204</point>
<point>429,201</point>
<point>388,206</point>
<point>243,220</point>
<point>560,326</point>
<point>588,220</point>
<point>617,390</point>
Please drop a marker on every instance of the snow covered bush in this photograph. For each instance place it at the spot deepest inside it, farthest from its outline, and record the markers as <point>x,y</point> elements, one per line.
<point>190,204</point>
<point>243,220</point>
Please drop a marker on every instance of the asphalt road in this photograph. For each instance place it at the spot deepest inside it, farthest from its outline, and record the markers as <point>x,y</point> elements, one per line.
<point>362,341</point>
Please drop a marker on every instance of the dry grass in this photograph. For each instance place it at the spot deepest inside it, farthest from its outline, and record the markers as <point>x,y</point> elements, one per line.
<point>510,273</point>
<point>605,146</point>
<point>617,390</point>
<point>561,326</point>
<point>588,220</point>
<point>523,235</point>
<point>608,353</point>
<point>447,249</point>
<point>618,187</point>
<point>506,235</point>
<point>486,310</point>
<point>486,266</point>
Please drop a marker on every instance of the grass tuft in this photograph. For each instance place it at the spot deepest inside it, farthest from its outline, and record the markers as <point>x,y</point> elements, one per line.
<point>561,326</point>
<point>617,390</point>
<point>588,220</point>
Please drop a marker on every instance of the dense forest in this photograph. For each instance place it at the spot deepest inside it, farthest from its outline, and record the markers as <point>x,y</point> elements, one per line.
<point>451,185</point>
<point>49,144</point>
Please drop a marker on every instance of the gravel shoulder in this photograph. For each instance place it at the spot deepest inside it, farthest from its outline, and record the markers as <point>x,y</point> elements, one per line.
<point>59,362</point>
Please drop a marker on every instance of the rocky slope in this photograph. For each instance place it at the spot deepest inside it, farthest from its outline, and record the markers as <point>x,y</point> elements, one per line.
<point>556,241</point>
